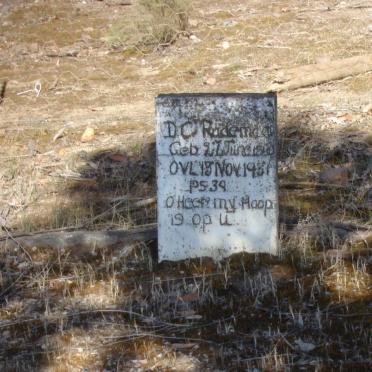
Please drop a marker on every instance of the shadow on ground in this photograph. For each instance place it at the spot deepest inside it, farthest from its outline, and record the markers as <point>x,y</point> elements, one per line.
<point>119,310</point>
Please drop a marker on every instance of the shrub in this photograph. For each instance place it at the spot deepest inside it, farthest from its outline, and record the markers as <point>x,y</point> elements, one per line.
<point>155,23</point>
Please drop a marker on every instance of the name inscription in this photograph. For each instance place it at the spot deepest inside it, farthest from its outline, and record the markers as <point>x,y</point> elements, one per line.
<point>217,175</point>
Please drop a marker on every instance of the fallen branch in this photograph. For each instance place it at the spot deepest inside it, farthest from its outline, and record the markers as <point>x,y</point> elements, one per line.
<point>303,76</point>
<point>83,241</point>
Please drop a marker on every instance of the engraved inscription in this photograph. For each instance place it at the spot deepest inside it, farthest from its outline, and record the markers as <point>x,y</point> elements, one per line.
<point>217,174</point>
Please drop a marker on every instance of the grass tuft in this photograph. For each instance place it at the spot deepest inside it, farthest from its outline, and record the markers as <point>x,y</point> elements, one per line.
<point>155,24</point>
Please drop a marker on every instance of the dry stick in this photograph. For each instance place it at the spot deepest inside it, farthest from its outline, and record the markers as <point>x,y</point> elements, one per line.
<point>133,206</point>
<point>144,202</point>
<point>303,76</point>
<point>17,243</point>
<point>2,91</point>
<point>23,273</point>
<point>293,185</point>
<point>136,205</point>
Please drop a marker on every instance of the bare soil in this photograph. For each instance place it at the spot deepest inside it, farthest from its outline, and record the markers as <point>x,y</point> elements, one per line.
<point>309,308</point>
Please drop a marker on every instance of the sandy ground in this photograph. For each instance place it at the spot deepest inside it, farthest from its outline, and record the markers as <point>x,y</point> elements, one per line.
<point>63,75</point>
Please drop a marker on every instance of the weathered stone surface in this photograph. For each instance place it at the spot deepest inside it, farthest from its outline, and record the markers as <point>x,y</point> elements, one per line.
<point>217,175</point>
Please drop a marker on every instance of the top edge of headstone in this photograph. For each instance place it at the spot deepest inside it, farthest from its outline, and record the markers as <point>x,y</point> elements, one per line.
<point>197,95</point>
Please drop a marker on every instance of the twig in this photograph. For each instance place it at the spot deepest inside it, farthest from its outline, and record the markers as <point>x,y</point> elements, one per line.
<point>2,91</point>
<point>287,342</point>
<point>352,315</point>
<point>18,244</point>
<point>142,335</point>
<point>144,202</point>
<point>36,89</point>
<point>133,206</point>
<point>13,283</point>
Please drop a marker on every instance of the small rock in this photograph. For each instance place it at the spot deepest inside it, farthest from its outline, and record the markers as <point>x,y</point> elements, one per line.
<point>195,39</point>
<point>336,120</point>
<point>225,45</point>
<point>194,317</point>
<point>280,77</point>
<point>85,37</point>
<point>21,49</point>
<point>334,175</point>
<point>193,22</point>
<point>210,80</point>
<point>102,53</point>
<point>88,135</point>
<point>22,265</point>
<point>33,47</point>
<point>230,23</point>
<point>367,109</point>
<point>62,152</point>
<point>306,347</point>
<point>323,59</point>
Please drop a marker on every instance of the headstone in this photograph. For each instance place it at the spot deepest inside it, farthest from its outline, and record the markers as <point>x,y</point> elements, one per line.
<point>216,175</point>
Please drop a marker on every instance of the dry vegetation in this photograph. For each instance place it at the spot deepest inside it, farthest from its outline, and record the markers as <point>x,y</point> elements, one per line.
<point>155,24</point>
<point>76,64</point>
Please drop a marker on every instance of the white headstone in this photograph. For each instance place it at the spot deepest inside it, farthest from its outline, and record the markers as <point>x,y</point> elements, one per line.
<point>216,175</point>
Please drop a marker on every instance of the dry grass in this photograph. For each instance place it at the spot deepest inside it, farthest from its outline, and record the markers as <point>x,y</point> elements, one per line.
<point>119,310</point>
<point>154,24</point>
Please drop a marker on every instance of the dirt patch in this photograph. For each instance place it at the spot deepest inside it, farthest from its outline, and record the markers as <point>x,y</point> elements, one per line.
<point>119,310</point>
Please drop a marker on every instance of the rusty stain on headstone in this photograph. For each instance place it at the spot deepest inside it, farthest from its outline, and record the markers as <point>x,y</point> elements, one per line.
<point>216,174</point>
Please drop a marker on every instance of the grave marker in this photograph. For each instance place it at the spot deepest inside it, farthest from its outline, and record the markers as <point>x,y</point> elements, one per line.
<point>216,174</point>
